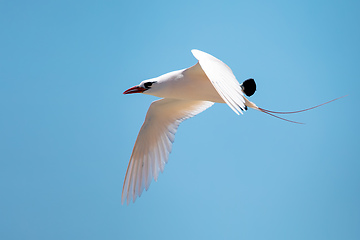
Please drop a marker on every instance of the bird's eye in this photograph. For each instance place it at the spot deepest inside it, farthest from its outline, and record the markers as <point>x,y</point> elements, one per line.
<point>148,84</point>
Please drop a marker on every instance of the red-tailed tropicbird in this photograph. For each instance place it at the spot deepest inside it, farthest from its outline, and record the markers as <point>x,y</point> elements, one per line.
<point>185,93</point>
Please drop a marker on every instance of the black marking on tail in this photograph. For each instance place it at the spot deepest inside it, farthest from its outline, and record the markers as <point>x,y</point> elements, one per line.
<point>249,87</point>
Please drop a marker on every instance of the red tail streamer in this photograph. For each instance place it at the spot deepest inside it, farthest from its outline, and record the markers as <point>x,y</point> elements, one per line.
<point>307,109</point>
<point>264,111</point>
<point>272,113</point>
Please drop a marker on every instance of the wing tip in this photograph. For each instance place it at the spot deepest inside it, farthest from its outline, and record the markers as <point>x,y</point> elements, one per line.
<point>194,51</point>
<point>198,54</point>
<point>201,55</point>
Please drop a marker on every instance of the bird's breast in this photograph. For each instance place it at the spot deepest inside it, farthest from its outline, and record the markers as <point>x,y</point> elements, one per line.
<point>194,87</point>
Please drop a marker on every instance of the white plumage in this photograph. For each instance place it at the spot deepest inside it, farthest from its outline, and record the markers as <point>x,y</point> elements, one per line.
<point>154,142</point>
<point>185,94</point>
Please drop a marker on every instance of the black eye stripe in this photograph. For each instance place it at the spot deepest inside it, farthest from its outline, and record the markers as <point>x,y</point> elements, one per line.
<point>148,84</point>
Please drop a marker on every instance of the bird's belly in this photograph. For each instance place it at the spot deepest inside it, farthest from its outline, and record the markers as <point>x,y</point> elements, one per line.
<point>199,88</point>
<point>202,93</point>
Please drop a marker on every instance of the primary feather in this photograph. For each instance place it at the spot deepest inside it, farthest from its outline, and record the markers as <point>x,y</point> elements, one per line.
<point>154,142</point>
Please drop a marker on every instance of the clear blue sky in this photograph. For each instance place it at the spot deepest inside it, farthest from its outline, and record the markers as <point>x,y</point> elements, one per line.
<point>67,132</point>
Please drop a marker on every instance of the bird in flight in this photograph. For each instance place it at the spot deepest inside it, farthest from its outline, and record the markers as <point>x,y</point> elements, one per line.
<point>185,93</point>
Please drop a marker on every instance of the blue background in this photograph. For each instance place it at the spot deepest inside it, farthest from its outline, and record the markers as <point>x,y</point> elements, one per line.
<point>67,132</point>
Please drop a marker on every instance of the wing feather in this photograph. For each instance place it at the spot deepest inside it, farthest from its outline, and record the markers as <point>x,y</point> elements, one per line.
<point>154,142</point>
<point>223,80</point>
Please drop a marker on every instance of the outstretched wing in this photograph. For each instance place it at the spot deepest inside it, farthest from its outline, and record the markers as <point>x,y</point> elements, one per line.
<point>154,142</point>
<point>222,79</point>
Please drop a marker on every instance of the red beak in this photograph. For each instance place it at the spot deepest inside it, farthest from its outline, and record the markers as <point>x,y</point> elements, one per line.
<point>135,89</point>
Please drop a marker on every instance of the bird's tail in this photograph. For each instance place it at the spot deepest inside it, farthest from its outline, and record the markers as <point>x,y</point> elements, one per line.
<point>272,113</point>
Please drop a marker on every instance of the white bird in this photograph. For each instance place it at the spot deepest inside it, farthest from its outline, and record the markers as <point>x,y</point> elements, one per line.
<point>185,93</point>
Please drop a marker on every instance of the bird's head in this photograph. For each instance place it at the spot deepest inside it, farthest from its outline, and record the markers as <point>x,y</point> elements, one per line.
<point>142,87</point>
